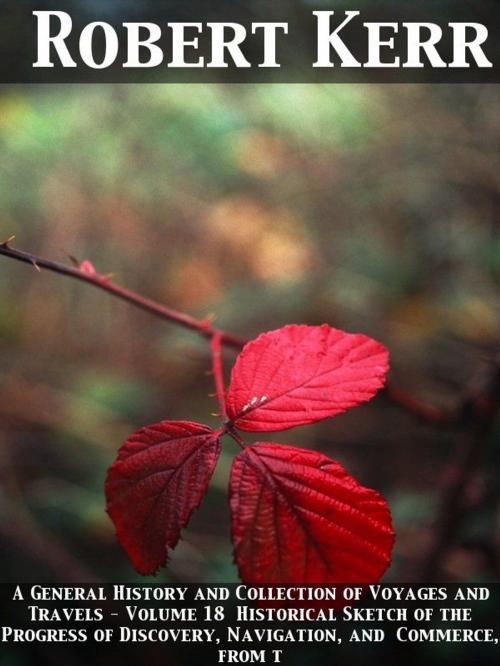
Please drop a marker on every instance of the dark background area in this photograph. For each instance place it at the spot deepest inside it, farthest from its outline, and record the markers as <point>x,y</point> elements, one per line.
<point>372,208</point>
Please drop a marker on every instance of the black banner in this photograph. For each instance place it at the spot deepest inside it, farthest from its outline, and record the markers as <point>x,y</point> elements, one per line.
<point>205,624</point>
<point>76,41</point>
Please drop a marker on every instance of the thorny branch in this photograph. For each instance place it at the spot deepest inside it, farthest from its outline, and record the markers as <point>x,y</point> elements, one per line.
<point>85,273</point>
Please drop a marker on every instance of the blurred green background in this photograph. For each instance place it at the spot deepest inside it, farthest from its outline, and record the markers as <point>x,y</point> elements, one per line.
<point>373,208</point>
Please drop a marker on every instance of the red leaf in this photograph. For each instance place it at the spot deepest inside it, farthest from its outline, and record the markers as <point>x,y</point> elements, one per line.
<point>302,374</point>
<point>158,480</point>
<point>298,517</point>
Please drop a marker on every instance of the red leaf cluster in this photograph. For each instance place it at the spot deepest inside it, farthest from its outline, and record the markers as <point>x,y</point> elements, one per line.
<point>297,516</point>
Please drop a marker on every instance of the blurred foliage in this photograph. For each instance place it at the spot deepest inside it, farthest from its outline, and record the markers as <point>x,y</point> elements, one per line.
<point>371,208</point>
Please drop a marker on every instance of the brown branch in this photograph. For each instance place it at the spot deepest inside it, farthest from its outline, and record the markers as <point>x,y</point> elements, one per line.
<point>203,327</point>
<point>422,411</point>
<point>86,273</point>
<point>478,414</point>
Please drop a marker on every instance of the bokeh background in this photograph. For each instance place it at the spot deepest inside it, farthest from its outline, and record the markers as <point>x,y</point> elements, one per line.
<point>373,208</point>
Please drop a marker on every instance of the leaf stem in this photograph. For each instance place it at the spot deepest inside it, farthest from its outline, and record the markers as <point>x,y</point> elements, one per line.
<point>236,436</point>
<point>216,349</point>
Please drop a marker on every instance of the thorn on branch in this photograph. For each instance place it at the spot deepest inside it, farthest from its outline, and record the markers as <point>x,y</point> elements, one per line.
<point>6,242</point>
<point>206,324</point>
<point>87,267</point>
